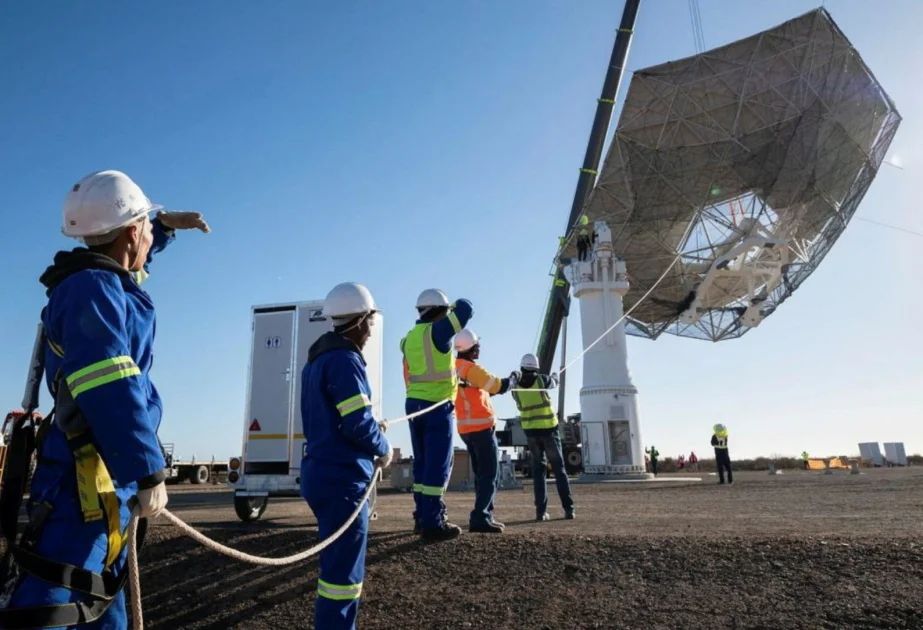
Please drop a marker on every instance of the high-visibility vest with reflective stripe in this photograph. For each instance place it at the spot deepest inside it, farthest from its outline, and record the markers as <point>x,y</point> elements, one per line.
<point>473,411</point>
<point>431,373</point>
<point>535,410</point>
<point>722,442</point>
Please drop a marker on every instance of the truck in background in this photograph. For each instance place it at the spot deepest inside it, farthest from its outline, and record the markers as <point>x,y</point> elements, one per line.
<point>197,472</point>
<point>273,442</point>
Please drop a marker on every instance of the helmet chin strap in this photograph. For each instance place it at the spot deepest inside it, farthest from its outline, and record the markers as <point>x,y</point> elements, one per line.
<point>355,322</point>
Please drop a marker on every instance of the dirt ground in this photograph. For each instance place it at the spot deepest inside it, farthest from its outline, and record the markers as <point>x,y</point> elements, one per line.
<point>798,550</point>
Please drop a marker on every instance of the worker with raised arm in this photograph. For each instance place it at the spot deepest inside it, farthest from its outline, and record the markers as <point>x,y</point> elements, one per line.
<point>719,440</point>
<point>345,443</point>
<point>476,421</point>
<point>540,423</point>
<point>100,454</point>
<point>431,380</point>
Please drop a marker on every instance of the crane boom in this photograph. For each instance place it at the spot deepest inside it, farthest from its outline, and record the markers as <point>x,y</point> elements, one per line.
<point>559,299</point>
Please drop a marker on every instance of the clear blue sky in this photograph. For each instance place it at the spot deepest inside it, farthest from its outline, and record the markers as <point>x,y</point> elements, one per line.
<point>413,144</point>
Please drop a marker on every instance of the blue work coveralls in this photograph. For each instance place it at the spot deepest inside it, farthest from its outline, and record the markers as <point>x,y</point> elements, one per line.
<point>99,325</point>
<point>342,441</point>
<point>432,434</point>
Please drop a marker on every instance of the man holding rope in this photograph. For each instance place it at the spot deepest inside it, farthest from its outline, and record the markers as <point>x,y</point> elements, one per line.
<point>345,444</point>
<point>432,384</point>
<point>100,452</point>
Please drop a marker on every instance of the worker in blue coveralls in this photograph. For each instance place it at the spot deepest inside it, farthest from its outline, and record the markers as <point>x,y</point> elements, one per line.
<point>101,453</point>
<point>429,371</point>
<point>344,445</point>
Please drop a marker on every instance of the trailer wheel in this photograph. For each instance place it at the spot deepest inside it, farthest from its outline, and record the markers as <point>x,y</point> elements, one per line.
<point>250,508</point>
<point>199,475</point>
<point>573,459</point>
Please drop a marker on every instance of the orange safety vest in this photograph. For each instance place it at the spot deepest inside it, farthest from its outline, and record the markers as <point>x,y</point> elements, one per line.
<point>473,411</point>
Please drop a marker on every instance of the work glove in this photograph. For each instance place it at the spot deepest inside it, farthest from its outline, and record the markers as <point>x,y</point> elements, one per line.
<point>383,425</point>
<point>554,379</point>
<point>153,500</point>
<point>515,375</point>
<point>183,221</point>
<point>385,461</point>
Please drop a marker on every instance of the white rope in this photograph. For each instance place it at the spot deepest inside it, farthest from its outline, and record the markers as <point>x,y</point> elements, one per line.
<point>610,329</point>
<point>134,574</point>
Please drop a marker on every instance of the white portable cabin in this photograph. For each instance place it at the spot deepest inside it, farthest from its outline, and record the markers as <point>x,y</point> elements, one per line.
<point>273,440</point>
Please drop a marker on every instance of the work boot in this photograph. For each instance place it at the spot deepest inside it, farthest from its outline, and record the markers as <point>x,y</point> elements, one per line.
<point>417,528</point>
<point>446,531</point>
<point>542,517</point>
<point>485,528</point>
<point>569,514</point>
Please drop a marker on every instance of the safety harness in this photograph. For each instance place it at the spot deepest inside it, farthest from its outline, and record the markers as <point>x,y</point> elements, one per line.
<point>98,502</point>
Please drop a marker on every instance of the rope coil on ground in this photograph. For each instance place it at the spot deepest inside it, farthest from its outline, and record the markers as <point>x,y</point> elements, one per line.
<point>134,572</point>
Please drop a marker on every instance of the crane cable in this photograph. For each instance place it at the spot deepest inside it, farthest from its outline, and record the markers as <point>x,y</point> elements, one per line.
<point>134,571</point>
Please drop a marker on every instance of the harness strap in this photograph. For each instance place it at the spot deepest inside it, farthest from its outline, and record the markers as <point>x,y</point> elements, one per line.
<point>101,588</point>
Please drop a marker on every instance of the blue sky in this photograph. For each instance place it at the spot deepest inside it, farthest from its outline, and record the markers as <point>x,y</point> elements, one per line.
<point>410,144</point>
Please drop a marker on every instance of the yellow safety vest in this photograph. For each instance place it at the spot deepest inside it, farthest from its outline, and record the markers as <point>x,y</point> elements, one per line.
<point>535,409</point>
<point>431,373</point>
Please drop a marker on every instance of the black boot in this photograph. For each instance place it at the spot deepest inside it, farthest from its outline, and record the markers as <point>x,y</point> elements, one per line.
<point>486,528</point>
<point>446,531</point>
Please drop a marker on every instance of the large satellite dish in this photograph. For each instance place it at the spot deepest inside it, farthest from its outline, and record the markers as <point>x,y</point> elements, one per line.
<point>734,171</point>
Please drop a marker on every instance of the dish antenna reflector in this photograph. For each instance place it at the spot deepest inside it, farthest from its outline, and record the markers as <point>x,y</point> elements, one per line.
<point>740,167</point>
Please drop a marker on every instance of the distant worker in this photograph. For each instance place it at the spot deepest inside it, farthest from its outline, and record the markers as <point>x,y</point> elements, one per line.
<point>719,440</point>
<point>804,460</point>
<point>693,465</point>
<point>655,458</point>
<point>100,455</point>
<point>583,238</point>
<point>540,424</point>
<point>476,426</point>
<point>431,380</point>
<point>344,443</point>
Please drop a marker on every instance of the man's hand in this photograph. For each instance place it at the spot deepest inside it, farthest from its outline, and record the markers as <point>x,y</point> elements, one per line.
<point>385,461</point>
<point>383,425</point>
<point>184,221</point>
<point>153,500</point>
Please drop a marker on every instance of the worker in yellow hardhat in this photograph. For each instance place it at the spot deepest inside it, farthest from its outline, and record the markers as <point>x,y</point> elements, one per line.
<point>432,381</point>
<point>100,455</point>
<point>719,440</point>
<point>583,237</point>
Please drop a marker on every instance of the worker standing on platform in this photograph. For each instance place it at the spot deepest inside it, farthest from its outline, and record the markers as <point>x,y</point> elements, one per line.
<point>431,379</point>
<point>540,423</point>
<point>476,426</point>
<point>100,454</point>
<point>719,440</point>
<point>344,443</point>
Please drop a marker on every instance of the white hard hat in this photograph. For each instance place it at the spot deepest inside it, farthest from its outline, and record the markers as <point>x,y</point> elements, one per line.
<point>102,202</point>
<point>529,362</point>
<point>347,300</point>
<point>465,340</point>
<point>432,298</point>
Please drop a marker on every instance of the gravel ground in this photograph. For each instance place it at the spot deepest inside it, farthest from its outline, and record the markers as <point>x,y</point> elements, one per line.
<point>798,550</point>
